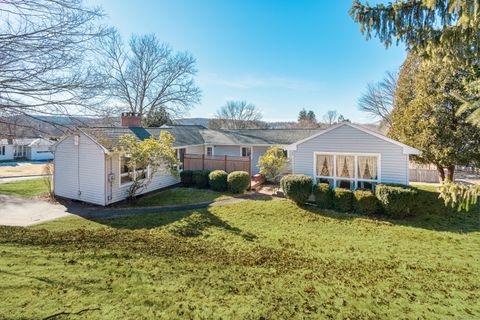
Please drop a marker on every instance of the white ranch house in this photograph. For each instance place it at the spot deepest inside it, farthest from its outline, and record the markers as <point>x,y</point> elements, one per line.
<point>348,155</point>
<point>25,148</point>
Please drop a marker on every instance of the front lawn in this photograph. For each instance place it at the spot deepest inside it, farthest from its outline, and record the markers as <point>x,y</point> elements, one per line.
<point>179,196</point>
<point>255,259</point>
<point>24,188</point>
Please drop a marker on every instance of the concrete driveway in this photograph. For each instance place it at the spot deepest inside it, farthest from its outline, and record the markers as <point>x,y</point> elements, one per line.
<point>25,212</point>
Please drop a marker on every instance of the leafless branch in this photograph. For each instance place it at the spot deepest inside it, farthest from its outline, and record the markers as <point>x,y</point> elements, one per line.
<point>379,98</point>
<point>45,58</point>
<point>147,76</point>
<point>237,115</point>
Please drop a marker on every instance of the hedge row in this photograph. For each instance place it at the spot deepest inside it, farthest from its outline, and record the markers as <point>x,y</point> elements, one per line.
<point>218,180</point>
<point>392,200</point>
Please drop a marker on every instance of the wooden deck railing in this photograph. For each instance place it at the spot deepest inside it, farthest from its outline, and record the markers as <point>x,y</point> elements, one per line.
<point>227,163</point>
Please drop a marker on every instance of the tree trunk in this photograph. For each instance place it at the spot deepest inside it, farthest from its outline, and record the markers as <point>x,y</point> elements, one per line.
<point>451,171</point>
<point>441,172</point>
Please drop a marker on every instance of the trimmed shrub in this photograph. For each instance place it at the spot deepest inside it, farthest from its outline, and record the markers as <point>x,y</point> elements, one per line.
<point>297,187</point>
<point>200,178</point>
<point>343,199</point>
<point>217,180</point>
<point>396,201</point>
<point>365,201</point>
<point>238,181</point>
<point>323,195</point>
<point>186,177</point>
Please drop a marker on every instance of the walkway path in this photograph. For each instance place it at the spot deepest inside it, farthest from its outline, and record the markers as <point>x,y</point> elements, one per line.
<point>26,212</point>
<point>12,179</point>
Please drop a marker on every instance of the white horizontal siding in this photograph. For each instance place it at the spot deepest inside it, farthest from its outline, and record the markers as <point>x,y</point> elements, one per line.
<point>79,170</point>
<point>196,150</point>
<point>119,192</point>
<point>394,164</point>
<point>256,154</point>
<point>9,150</point>
<point>39,153</point>
<point>227,151</point>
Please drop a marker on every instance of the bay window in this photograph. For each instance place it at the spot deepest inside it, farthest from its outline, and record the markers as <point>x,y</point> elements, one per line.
<point>349,171</point>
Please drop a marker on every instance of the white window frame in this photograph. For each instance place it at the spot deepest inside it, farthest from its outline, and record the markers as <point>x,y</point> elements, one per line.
<point>120,174</point>
<point>246,147</point>
<point>2,150</point>
<point>206,150</point>
<point>355,178</point>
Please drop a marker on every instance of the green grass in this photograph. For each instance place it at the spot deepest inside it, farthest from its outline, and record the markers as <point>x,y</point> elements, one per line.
<point>24,188</point>
<point>180,196</point>
<point>254,259</point>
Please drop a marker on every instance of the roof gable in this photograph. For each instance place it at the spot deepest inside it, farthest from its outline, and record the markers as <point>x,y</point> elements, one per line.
<point>406,149</point>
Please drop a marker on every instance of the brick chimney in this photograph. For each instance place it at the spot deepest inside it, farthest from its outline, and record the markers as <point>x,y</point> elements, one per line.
<point>131,119</point>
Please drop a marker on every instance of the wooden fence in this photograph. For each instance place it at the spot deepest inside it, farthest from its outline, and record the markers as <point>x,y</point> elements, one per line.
<point>423,173</point>
<point>227,163</point>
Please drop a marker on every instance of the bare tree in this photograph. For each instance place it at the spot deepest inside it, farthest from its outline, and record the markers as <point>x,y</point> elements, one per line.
<point>45,50</point>
<point>379,98</point>
<point>147,76</point>
<point>331,117</point>
<point>237,115</point>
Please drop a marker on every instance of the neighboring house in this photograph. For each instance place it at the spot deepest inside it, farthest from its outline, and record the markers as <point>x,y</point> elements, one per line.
<point>88,169</point>
<point>25,149</point>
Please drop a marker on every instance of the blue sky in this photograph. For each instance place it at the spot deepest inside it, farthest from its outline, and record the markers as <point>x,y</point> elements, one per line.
<point>279,55</point>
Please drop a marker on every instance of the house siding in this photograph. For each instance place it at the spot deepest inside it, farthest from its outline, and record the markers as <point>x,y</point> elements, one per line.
<point>39,153</point>
<point>196,149</point>
<point>9,150</point>
<point>79,170</point>
<point>346,139</point>
<point>117,192</point>
<point>256,154</point>
<point>227,151</point>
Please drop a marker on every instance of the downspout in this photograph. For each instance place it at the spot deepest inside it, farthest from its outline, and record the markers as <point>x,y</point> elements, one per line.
<point>109,178</point>
<point>79,192</point>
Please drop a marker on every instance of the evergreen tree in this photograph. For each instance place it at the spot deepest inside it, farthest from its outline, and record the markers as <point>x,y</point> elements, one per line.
<point>427,25</point>
<point>157,118</point>
<point>425,114</point>
<point>442,28</point>
<point>311,116</point>
<point>302,115</point>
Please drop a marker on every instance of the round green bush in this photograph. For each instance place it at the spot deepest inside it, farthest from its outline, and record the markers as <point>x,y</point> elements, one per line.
<point>238,181</point>
<point>297,187</point>
<point>397,201</point>
<point>200,178</point>
<point>186,177</point>
<point>343,200</point>
<point>323,195</point>
<point>217,180</point>
<point>365,201</point>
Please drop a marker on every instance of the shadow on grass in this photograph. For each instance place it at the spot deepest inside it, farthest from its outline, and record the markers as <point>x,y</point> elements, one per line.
<point>431,214</point>
<point>185,223</point>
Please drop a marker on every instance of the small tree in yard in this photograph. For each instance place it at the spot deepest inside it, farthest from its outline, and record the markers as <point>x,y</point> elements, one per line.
<point>272,163</point>
<point>147,157</point>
